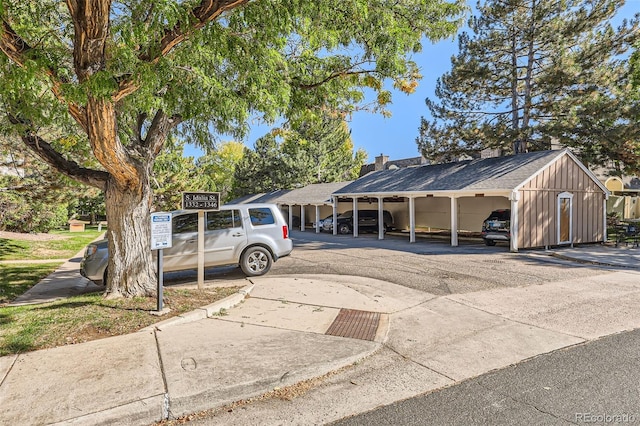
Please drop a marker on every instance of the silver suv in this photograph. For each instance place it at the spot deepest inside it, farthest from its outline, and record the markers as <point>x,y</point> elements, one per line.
<point>497,227</point>
<point>251,235</point>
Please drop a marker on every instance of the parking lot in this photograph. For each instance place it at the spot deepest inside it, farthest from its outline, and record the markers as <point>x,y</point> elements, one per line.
<point>429,265</point>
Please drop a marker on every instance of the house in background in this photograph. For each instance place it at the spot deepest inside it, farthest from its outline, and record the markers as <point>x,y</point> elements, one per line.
<point>382,163</point>
<point>625,193</point>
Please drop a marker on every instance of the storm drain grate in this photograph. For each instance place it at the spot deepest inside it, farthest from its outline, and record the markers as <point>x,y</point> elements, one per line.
<point>355,324</point>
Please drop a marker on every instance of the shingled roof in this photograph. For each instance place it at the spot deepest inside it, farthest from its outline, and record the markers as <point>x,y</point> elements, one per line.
<point>315,194</point>
<point>268,197</point>
<point>483,174</point>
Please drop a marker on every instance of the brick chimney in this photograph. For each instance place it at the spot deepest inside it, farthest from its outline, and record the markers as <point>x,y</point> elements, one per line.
<point>381,161</point>
<point>490,153</point>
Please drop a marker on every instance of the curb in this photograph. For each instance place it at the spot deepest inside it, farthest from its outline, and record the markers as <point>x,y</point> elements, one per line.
<point>591,262</point>
<point>205,311</point>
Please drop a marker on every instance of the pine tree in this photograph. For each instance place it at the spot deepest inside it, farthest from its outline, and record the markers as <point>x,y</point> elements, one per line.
<point>311,148</point>
<point>533,71</point>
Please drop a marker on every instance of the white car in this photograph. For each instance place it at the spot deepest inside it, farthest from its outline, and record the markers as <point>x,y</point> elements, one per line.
<point>251,235</point>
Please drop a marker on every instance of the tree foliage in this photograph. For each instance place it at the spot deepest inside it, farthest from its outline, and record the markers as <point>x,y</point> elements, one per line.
<point>634,69</point>
<point>117,77</point>
<point>33,198</point>
<point>311,148</point>
<point>535,70</point>
<point>217,168</point>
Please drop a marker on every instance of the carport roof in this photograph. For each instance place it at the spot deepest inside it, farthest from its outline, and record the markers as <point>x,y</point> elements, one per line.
<point>486,174</point>
<point>314,194</point>
<point>268,197</point>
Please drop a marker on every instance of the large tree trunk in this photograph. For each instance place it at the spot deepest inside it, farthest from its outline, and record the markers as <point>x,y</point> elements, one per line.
<point>131,270</point>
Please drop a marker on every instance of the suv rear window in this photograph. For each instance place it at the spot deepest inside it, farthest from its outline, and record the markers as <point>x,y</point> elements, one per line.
<point>500,215</point>
<point>261,216</point>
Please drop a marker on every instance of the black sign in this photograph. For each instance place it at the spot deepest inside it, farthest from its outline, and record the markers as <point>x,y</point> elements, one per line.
<point>201,200</point>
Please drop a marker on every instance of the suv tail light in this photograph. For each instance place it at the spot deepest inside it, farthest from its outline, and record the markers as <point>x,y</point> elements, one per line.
<point>285,231</point>
<point>90,250</point>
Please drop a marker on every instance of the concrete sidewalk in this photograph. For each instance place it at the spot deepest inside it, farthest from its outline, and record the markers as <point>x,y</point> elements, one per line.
<point>625,256</point>
<point>62,283</point>
<point>272,339</point>
<point>275,333</point>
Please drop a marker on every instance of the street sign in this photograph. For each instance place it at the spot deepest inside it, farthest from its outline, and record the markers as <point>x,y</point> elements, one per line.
<point>160,231</point>
<point>201,200</point>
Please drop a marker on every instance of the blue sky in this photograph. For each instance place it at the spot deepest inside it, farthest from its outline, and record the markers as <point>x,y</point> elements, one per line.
<point>395,136</point>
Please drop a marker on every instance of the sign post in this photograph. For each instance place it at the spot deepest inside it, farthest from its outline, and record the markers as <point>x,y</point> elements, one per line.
<point>201,201</point>
<point>161,238</point>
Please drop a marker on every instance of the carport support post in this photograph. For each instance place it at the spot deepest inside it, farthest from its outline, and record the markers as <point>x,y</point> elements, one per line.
<point>355,216</point>
<point>412,220</point>
<point>317,219</point>
<point>380,218</point>
<point>335,215</point>
<point>514,226</point>
<point>302,218</point>
<point>454,222</point>
<point>290,216</point>
<point>604,219</point>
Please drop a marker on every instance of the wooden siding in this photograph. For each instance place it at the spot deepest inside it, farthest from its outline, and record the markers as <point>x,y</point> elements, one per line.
<point>538,206</point>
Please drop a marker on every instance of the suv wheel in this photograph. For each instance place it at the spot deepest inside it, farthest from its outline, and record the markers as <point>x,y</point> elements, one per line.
<point>490,242</point>
<point>256,261</point>
<point>344,228</point>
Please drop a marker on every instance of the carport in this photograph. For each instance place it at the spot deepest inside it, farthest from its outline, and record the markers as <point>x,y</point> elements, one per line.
<point>554,199</point>
<point>315,198</point>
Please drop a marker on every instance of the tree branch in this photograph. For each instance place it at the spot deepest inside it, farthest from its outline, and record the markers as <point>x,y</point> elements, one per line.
<point>207,11</point>
<point>16,49</point>
<point>49,155</point>
<point>331,77</point>
<point>157,134</point>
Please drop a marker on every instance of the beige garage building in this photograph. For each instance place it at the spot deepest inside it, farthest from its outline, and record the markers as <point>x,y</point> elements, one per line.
<point>554,199</point>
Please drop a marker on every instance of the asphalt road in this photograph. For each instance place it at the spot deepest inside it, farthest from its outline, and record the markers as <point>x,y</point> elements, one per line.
<point>429,265</point>
<point>597,383</point>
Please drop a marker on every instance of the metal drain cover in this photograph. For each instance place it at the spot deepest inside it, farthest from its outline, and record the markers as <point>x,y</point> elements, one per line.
<point>355,324</point>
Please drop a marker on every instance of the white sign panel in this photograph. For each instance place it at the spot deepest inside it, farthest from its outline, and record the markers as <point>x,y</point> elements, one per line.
<point>160,231</point>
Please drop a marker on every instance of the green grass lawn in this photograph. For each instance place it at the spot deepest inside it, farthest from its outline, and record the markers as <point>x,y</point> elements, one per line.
<point>62,245</point>
<point>89,317</point>
<point>76,319</point>
<point>16,278</point>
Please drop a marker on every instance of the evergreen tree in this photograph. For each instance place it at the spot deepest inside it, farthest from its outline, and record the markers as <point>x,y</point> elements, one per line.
<point>318,147</point>
<point>533,71</point>
<point>311,148</point>
<point>261,169</point>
